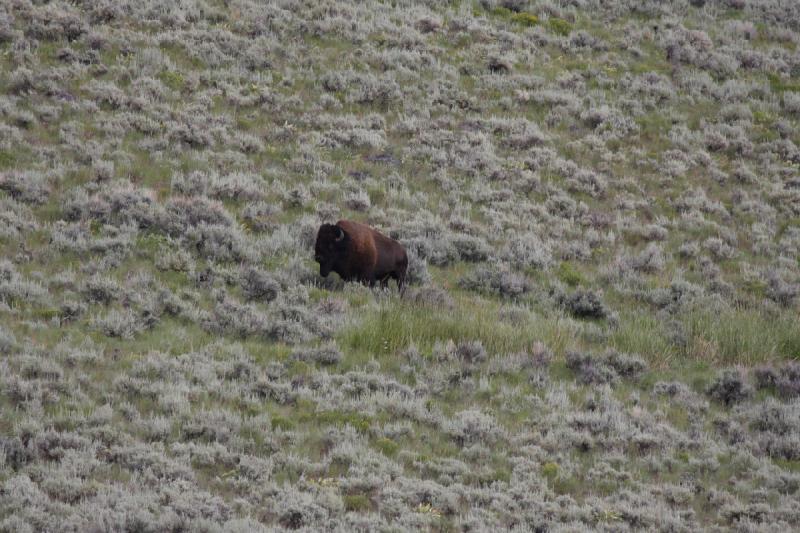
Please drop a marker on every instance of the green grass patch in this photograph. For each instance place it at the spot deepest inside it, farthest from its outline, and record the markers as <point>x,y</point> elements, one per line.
<point>643,334</point>
<point>653,127</point>
<point>550,470</point>
<point>337,418</point>
<point>567,273</point>
<point>394,325</point>
<point>282,423</point>
<point>503,13</point>
<point>387,446</point>
<point>788,464</point>
<point>742,336</point>
<point>173,80</point>
<point>356,503</point>
<point>7,159</point>
<point>559,26</point>
<point>525,19</point>
<point>779,84</point>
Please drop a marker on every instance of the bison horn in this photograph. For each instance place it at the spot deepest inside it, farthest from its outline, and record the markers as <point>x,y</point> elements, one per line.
<point>339,234</point>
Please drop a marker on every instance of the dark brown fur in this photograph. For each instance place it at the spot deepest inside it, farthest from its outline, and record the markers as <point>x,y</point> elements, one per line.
<point>359,253</point>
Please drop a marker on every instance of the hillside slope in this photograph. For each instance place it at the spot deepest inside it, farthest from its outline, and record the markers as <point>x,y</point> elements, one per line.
<point>601,204</point>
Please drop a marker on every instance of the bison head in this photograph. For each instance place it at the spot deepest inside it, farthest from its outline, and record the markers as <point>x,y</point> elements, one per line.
<point>330,246</point>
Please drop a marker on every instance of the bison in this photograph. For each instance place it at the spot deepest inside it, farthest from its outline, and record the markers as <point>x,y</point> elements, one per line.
<point>359,253</point>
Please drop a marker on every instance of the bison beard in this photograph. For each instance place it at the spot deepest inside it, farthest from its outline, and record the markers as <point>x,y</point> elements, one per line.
<point>359,253</point>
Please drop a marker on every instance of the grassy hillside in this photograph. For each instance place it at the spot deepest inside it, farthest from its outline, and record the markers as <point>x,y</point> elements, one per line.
<point>601,203</point>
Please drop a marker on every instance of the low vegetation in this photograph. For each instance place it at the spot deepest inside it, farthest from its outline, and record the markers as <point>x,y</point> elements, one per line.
<point>601,206</point>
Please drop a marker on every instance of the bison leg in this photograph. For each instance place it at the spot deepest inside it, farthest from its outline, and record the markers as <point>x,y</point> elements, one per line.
<point>385,280</point>
<point>401,282</point>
